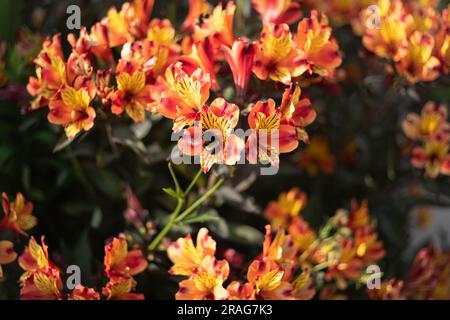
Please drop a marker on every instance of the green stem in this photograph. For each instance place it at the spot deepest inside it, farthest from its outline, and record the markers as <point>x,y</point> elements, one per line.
<point>168,226</point>
<point>199,201</point>
<point>175,216</point>
<point>175,180</point>
<point>193,182</point>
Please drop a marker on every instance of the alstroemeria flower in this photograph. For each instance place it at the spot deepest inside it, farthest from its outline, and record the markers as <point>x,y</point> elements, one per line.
<point>314,38</point>
<point>201,56</point>
<point>429,275</point>
<point>302,234</point>
<point>271,136</point>
<point>432,121</point>
<point>7,254</point>
<point>186,256</point>
<point>119,261</point>
<point>434,157</point>
<point>35,257</point>
<point>71,109</point>
<point>288,206</point>
<point>390,40</point>
<point>50,73</point>
<point>218,120</point>
<point>317,157</point>
<point>281,250</point>
<point>266,279</point>
<point>426,19</point>
<point>184,96</point>
<point>217,27</point>
<point>162,34</point>
<point>83,293</point>
<point>120,288</point>
<point>132,94</point>
<point>18,214</point>
<point>278,11</point>
<point>100,45</point>
<point>297,112</point>
<point>368,248</point>
<point>42,285</point>
<point>442,46</point>
<point>206,283</point>
<point>303,286</point>
<point>129,23</point>
<point>419,64</point>
<point>240,58</point>
<point>346,265</point>
<point>276,56</point>
<point>389,290</point>
<point>197,8</point>
<point>42,279</point>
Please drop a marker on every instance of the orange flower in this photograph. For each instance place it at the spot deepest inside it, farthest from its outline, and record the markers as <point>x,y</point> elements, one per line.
<point>206,283</point>
<point>82,293</point>
<point>129,23</point>
<point>276,56</point>
<point>50,73</point>
<point>165,50</point>
<point>119,261</point>
<point>266,279</point>
<point>278,11</point>
<point>442,46</point>
<point>188,257</point>
<point>201,56</point>
<point>70,108</point>
<point>302,235</point>
<point>431,122</point>
<point>317,157</point>
<point>217,27</point>
<point>132,94</point>
<point>42,285</point>
<point>288,206</point>
<point>315,40</point>
<point>434,157</point>
<point>346,265</point>
<point>184,96</point>
<point>218,120</point>
<point>240,59</point>
<point>390,40</point>
<point>100,45</point>
<point>270,136</point>
<point>303,286</point>
<point>35,257</point>
<point>429,277</point>
<point>42,279</point>
<point>18,214</point>
<point>197,8</point>
<point>7,254</point>
<point>419,64</point>
<point>281,250</point>
<point>120,288</point>
<point>359,215</point>
<point>297,112</point>
<point>390,290</point>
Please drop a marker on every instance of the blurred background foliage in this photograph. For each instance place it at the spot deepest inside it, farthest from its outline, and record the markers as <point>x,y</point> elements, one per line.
<point>78,189</point>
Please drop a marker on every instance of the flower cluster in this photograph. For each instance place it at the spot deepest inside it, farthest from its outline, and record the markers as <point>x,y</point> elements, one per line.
<point>18,218</point>
<point>291,263</point>
<point>42,278</point>
<point>432,130</point>
<point>415,38</point>
<point>428,279</point>
<point>158,73</point>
